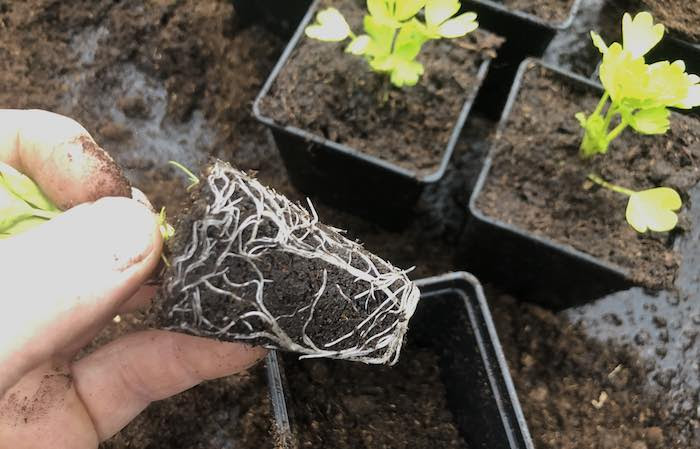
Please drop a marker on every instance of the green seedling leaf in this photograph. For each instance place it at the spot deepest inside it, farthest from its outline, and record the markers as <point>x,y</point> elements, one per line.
<point>598,42</point>
<point>12,209</point>
<point>359,45</point>
<point>639,35</point>
<point>459,26</point>
<point>194,180</point>
<point>166,229</point>
<point>21,226</point>
<point>23,187</point>
<point>438,11</point>
<point>406,9</point>
<point>653,209</point>
<point>406,73</point>
<point>651,121</point>
<point>394,34</point>
<point>639,93</point>
<point>330,26</point>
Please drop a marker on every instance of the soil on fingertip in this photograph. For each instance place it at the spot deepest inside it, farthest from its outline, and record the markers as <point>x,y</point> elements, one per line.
<point>337,96</point>
<point>538,183</point>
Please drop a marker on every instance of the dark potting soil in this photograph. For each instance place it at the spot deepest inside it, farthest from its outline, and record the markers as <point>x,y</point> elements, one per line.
<point>538,183</point>
<point>351,406</point>
<point>551,11</point>
<point>336,96</point>
<point>406,406</point>
<point>681,17</point>
<point>292,284</point>
<point>195,46</point>
<point>577,392</point>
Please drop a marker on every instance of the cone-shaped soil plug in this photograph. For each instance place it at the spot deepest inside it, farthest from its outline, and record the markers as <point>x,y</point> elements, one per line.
<point>248,264</point>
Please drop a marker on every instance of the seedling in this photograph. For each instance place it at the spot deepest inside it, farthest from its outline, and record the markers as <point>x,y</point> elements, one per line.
<point>22,204</point>
<point>638,95</point>
<point>394,33</point>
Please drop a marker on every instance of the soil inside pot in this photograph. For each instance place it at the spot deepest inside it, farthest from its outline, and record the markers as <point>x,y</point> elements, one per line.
<point>342,405</point>
<point>538,183</point>
<point>681,17</point>
<point>551,11</point>
<point>335,95</point>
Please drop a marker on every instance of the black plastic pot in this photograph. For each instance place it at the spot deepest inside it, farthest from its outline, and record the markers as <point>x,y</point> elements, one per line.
<point>453,314</point>
<point>280,16</point>
<point>525,34</point>
<point>344,177</point>
<point>532,267</point>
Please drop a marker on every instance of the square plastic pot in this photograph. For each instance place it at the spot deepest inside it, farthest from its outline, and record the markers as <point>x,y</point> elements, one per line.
<point>346,178</point>
<point>480,392</point>
<point>551,274</point>
<point>525,35</point>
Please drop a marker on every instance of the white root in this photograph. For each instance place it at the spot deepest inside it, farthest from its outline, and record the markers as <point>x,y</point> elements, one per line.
<point>386,298</point>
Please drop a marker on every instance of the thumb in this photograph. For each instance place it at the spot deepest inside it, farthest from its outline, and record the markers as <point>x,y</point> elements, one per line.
<point>61,281</point>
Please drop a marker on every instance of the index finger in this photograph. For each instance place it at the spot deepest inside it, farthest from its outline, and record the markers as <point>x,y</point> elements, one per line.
<point>60,156</point>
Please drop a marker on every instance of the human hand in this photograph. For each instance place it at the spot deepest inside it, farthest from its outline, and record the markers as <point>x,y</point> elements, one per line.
<point>62,282</point>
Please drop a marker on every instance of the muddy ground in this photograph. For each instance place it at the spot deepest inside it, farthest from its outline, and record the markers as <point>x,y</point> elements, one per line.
<point>175,79</point>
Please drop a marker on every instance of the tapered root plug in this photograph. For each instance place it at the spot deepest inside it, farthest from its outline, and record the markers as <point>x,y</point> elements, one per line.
<point>248,264</point>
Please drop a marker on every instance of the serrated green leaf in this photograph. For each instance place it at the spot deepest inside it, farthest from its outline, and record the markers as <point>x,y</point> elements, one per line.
<point>382,36</point>
<point>382,12</point>
<point>639,35</point>
<point>409,41</point>
<point>438,11</point>
<point>651,121</point>
<point>459,26</point>
<point>653,209</point>
<point>22,186</point>
<point>406,73</point>
<point>330,26</point>
<point>406,9</point>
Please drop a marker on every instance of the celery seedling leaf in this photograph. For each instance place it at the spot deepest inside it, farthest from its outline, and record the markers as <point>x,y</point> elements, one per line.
<point>651,121</point>
<point>21,226</point>
<point>639,35</point>
<point>459,26</point>
<point>359,45</point>
<point>406,73</point>
<point>653,209</point>
<point>382,36</point>
<point>23,187</point>
<point>438,11</point>
<point>383,13</point>
<point>12,209</point>
<point>406,9</point>
<point>599,42</point>
<point>409,41</point>
<point>330,26</point>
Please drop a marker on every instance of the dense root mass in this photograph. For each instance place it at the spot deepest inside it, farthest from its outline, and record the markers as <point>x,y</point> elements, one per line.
<point>250,265</point>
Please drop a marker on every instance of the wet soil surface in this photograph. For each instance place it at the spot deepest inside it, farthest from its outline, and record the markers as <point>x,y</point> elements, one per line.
<point>537,181</point>
<point>333,95</point>
<point>550,11</point>
<point>176,79</point>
